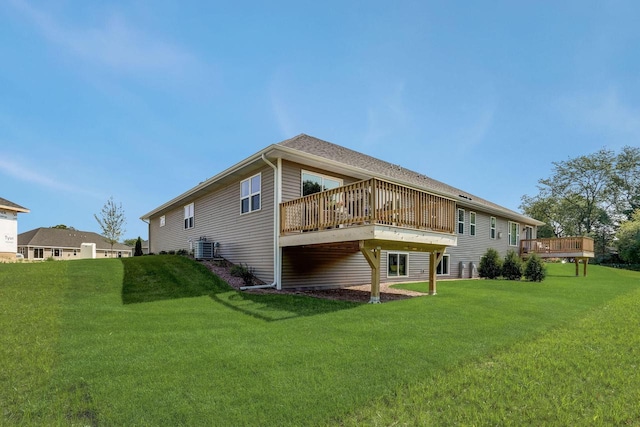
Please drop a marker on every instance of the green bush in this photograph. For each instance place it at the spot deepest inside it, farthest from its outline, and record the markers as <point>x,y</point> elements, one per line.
<point>243,271</point>
<point>512,266</point>
<point>490,264</point>
<point>182,252</point>
<point>535,270</point>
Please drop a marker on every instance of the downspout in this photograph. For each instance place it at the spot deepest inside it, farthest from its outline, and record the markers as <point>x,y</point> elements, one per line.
<point>276,229</point>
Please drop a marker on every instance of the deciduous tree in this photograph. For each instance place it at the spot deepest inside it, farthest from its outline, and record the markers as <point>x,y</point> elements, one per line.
<point>112,221</point>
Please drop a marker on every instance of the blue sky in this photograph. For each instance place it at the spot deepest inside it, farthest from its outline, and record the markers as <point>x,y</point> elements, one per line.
<point>141,100</point>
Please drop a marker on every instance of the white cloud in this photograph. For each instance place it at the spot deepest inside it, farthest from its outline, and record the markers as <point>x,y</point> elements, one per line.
<point>115,44</point>
<point>29,173</point>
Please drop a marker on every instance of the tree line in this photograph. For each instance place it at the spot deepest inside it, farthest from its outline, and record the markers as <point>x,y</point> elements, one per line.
<point>595,195</point>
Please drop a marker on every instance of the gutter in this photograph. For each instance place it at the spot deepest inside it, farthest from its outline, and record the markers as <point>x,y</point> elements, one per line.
<point>276,228</point>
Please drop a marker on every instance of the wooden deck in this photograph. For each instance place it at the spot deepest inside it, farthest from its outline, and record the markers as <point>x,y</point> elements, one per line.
<point>372,201</point>
<point>561,247</point>
<point>375,215</point>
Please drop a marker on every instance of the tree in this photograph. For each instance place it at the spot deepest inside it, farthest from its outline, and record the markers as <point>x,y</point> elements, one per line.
<point>138,250</point>
<point>535,270</point>
<point>490,264</point>
<point>63,227</point>
<point>627,181</point>
<point>112,221</point>
<point>588,195</point>
<point>628,242</point>
<point>130,242</point>
<point>512,266</point>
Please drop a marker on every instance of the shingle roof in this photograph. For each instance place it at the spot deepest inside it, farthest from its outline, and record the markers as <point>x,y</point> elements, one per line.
<point>65,238</point>
<point>4,203</point>
<point>311,145</point>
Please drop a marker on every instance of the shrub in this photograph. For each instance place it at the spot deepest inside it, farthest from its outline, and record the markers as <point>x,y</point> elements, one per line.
<point>490,264</point>
<point>535,270</point>
<point>182,252</point>
<point>138,249</point>
<point>243,271</point>
<point>512,266</point>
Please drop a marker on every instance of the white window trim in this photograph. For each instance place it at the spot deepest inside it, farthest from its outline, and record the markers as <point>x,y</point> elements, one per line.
<point>163,220</point>
<point>458,222</point>
<point>407,264</point>
<point>493,224</point>
<point>446,257</point>
<point>472,224</point>
<point>251,194</point>
<point>189,213</point>
<point>517,233</point>
<point>323,176</point>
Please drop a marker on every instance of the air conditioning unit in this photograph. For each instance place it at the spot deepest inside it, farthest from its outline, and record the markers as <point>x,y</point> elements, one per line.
<point>204,249</point>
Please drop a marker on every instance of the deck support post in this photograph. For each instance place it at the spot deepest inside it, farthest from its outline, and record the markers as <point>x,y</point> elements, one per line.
<point>585,262</point>
<point>372,255</point>
<point>434,259</point>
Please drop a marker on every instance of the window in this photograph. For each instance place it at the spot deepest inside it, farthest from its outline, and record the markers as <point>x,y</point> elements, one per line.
<point>460,221</point>
<point>492,233</point>
<point>315,183</point>
<point>514,233</point>
<point>442,269</point>
<point>397,265</point>
<point>163,220</point>
<point>472,223</point>
<point>38,253</point>
<point>250,194</point>
<point>188,216</point>
<point>57,252</point>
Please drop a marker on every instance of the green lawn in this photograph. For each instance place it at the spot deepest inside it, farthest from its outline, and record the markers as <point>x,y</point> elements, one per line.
<point>160,341</point>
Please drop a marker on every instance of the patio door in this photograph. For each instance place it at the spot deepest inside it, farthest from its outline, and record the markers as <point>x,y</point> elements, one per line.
<point>528,233</point>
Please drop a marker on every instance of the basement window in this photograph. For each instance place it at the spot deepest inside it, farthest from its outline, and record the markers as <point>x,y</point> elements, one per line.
<point>443,266</point>
<point>397,264</point>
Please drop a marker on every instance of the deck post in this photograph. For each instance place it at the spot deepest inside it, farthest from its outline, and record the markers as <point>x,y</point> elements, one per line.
<point>372,255</point>
<point>577,261</point>
<point>434,259</point>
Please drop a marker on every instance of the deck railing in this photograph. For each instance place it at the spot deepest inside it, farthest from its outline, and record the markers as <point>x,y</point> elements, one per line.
<point>558,245</point>
<point>373,201</point>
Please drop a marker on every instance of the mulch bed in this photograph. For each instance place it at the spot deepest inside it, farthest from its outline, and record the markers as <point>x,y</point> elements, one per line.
<point>361,294</point>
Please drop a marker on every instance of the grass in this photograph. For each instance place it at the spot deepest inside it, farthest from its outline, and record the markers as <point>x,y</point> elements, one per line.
<point>161,341</point>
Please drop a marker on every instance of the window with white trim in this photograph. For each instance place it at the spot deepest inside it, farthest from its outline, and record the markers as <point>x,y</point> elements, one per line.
<point>514,233</point>
<point>38,253</point>
<point>397,264</point>
<point>442,269</point>
<point>163,221</point>
<point>250,191</point>
<point>460,221</point>
<point>472,223</point>
<point>492,233</point>
<point>188,216</point>
<point>314,183</point>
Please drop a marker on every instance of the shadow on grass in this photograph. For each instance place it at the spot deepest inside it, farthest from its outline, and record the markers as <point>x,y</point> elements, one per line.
<point>167,277</point>
<point>271,307</point>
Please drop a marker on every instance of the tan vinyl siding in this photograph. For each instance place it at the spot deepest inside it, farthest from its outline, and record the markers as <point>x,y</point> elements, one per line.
<point>244,238</point>
<point>337,267</point>
<point>292,179</point>
<point>471,248</point>
<point>323,267</point>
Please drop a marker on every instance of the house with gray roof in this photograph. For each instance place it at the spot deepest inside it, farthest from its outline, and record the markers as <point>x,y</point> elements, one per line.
<point>9,228</point>
<point>67,244</point>
<point>307,213</point>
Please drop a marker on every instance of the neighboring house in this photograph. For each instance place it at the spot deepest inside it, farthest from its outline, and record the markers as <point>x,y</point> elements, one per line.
<point>65,243</point>
<point>9,228</point>
<point>306,213</point>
